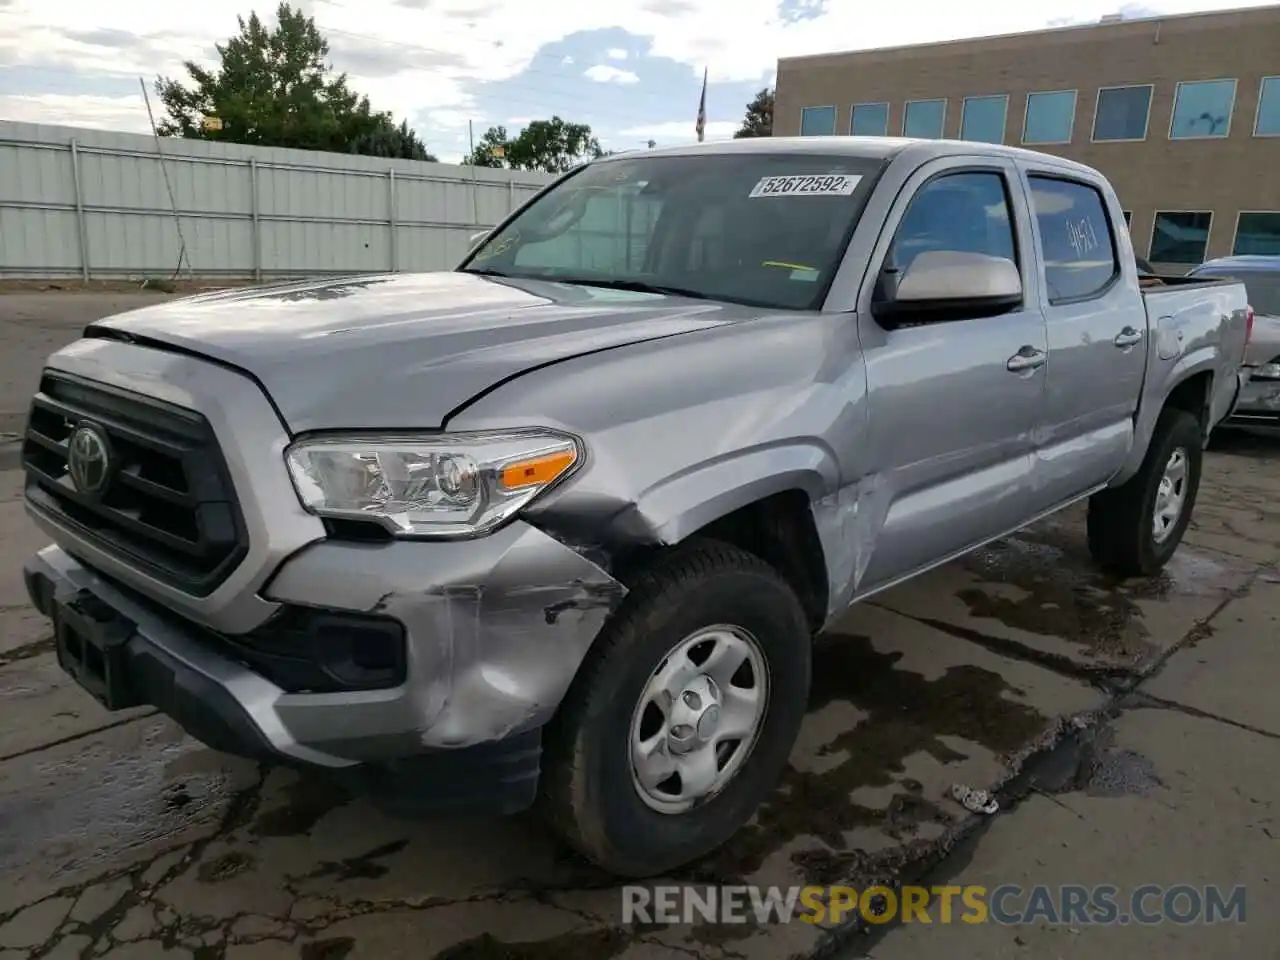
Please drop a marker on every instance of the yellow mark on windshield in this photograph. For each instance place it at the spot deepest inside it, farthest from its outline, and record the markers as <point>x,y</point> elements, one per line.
<point>499,248</point>
<point>789,266</point>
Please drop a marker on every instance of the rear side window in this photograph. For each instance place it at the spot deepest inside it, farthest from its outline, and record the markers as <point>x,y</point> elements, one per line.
<point>1075,233</point>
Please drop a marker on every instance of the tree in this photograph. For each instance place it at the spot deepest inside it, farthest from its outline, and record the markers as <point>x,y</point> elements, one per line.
<point>553,146</point>
<point>491,151</point>
<point>759,119</point>
<point>276,88</point>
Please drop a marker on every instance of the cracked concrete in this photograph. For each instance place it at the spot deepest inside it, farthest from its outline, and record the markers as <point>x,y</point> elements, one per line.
<point>121,838</point>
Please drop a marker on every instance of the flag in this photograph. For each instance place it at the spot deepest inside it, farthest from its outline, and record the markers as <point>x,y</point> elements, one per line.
<point>701,125</point>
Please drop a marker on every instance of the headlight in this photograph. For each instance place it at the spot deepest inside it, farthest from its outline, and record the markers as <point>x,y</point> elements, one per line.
<point>451,485</point>
<point>1267,371</point>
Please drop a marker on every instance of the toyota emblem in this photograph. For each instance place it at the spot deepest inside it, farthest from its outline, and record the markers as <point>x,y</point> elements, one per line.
<point>89,459</point>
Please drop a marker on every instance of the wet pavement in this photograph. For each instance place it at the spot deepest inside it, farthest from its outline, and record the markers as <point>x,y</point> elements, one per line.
<point>121,838</point>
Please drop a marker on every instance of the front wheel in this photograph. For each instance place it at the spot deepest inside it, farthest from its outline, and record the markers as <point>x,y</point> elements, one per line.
<point>682,718</point>
<point>1135,528</point>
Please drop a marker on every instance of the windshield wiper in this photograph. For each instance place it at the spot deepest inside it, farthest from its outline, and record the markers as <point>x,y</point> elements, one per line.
<point>636,286</point>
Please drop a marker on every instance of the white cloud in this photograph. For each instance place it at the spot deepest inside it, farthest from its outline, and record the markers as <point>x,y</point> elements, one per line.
<point>603,73</point>
<point>567,61</point>
<point>675,132</point>
<point>616,53</point>
<point>124,114</point>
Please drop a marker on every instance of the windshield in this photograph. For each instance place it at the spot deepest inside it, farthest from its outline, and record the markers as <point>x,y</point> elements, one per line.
<point>760,229</point>
<point>1263,288</point>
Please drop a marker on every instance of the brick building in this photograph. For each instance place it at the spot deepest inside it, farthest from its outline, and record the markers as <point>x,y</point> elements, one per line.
<point>1182,113</point>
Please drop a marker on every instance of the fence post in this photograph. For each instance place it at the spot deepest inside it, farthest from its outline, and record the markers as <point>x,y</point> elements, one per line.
<point>81,230</point>
<point>257,223</point>
<point>392,219</point>
<point>511,195</point>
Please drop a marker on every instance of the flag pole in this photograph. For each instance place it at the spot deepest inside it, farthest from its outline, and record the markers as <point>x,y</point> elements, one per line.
<point>701,126</point>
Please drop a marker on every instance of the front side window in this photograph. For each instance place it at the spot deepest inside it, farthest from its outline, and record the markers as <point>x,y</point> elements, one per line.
<point>1267,123</point>
<point>1180,237</point>
<point>766,229</point>
<point>1202,109</point>
<point>1078,247</point>
<point>1122,113</point>
<point>958,212</point>
<point>817,121</point>
<point>924,119</point>
<point>1050,118</point>
<point>869,120</point>
<point>1258,233</point>
<point>982,119</point>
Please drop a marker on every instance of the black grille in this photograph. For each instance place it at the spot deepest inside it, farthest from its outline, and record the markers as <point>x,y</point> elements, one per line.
<point>168,506</point>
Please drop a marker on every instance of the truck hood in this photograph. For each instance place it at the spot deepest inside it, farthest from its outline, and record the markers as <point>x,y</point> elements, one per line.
<point>404,350</point>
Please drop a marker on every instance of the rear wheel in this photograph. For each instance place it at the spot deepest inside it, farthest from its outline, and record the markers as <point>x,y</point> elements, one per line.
<point>1135,528</point>
<point>681,720</point>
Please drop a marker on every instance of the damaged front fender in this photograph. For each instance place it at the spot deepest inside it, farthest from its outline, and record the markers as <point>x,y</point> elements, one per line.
<point>497,628</point>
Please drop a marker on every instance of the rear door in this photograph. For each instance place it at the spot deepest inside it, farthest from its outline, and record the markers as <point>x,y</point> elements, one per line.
<point>953,404</point>
<point>1097,330</point>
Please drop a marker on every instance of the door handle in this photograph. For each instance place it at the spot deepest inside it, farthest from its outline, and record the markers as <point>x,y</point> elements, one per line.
<point>1028,358</point>
<point>1127,337</point>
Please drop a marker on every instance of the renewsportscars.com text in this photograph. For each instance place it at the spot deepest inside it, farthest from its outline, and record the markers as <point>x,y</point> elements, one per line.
<point>1007,904</point>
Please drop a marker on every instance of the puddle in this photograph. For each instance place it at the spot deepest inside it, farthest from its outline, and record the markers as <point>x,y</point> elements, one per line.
<point>905,715</point>
<point>334,948</point>
<point>308,798</point>
<point>117,785</point>
<point>593,945</point>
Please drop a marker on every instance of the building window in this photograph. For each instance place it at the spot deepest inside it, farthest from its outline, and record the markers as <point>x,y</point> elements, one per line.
<point>924,119</point>
<point>1180,237</point>
<point>1050,117</point>
<point>869,120</point>
<point>1258,233</point>
<point>1202,110</point>
<point>982,119</point>
<point>1267,123</point>
<point>1075,233</point>
<point>817,121</point>
<point>1122,113</point>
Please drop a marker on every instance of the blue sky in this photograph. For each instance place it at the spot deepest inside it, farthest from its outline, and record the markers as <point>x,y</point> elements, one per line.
<point>632,69</point>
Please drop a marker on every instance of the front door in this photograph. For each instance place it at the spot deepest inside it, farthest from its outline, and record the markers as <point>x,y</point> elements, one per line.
<point>1097,328</point>
<point>953,405</point>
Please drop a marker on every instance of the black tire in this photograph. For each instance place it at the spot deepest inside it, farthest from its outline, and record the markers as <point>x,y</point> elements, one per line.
<point>587,792</point>
<point>1121,521</point>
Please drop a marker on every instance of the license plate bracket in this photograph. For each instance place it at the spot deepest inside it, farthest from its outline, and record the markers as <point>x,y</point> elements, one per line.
<point>90,639</point>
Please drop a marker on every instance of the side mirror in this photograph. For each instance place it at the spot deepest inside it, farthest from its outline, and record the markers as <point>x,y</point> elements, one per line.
<point>950,285</point>
<point>475,238</point>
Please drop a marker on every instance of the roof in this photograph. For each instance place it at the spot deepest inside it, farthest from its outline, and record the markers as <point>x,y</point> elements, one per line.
<point>1048,34</point>
<point>1243,263</point>
<point>874,148</point>
<point>871,148</point>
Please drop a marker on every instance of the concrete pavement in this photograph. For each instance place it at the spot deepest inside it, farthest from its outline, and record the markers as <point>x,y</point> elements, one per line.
<point>1130,730</point>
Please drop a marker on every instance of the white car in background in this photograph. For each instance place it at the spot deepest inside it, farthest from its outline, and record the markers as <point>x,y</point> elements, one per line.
<point>1259,402</point>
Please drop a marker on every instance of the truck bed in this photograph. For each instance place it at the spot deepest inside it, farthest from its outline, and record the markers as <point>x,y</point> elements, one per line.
<point>1190,316</point>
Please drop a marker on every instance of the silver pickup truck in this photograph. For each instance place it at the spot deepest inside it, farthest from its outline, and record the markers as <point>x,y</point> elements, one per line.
<point>558,526</point>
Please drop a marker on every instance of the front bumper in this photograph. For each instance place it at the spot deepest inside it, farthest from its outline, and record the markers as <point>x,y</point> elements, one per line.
<point>495,631</point>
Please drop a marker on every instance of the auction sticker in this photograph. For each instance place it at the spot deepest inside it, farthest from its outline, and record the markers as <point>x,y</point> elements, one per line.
<point>817,185</point>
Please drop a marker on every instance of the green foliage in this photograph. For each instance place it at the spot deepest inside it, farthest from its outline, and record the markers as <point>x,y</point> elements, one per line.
<point>758,121</point>
<point>553,146</point>
<point>276,88</point>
